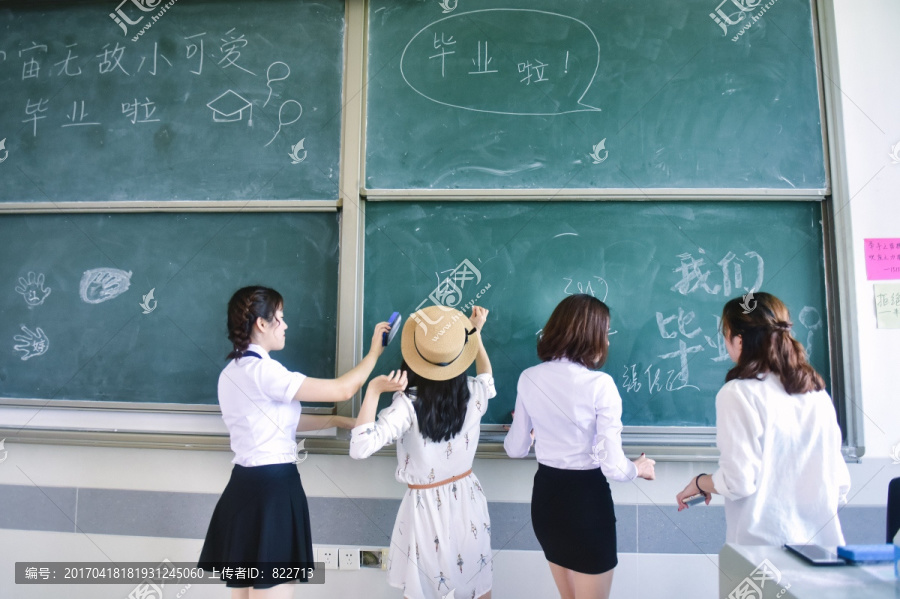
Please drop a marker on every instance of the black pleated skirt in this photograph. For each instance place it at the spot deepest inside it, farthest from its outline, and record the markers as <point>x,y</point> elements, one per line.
<point>261,518</point>
<point>574,519</point>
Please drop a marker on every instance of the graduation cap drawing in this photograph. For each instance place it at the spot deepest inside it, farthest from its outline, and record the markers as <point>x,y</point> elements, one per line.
<point>230,107</point>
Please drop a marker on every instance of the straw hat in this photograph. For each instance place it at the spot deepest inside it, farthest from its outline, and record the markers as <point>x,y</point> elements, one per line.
<point>437,343</point>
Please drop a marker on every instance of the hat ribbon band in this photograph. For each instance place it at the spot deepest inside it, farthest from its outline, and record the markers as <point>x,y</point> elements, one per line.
<point>416,345</point>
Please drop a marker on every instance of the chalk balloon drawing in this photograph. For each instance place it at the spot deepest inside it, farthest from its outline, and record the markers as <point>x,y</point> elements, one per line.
<point>101,284</point>
<point>476,61</point>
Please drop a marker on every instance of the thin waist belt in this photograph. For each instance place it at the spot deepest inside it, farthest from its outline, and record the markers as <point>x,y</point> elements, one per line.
<point>442,482</point>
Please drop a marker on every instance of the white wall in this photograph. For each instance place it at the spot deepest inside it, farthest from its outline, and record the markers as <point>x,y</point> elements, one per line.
<point>870,86</point>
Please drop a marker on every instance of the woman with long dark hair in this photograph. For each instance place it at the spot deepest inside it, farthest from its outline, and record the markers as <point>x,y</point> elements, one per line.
<point>780,467</point>
<point>573,415</point>
<point>262,517</point>
<point>441,538</point>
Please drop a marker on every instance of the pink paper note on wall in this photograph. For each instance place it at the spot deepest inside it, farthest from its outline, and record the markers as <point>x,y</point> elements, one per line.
<point>882,259</point>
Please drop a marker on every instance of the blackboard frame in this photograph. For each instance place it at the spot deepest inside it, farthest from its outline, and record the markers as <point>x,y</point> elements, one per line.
<point>679,445</point>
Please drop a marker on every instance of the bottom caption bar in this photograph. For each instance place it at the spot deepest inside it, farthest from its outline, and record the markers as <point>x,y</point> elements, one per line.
<point>166,572</point>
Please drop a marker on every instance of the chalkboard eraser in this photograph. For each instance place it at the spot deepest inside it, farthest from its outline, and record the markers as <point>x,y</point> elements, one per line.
<point>867,553</point>
<point>394,321</point>
<point>695,500</point>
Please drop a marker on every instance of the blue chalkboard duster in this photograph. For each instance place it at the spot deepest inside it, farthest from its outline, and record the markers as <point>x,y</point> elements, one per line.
<point>387,337</point>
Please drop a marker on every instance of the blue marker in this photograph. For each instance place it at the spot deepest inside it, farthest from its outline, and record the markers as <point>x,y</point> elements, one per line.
<point>393,321</point>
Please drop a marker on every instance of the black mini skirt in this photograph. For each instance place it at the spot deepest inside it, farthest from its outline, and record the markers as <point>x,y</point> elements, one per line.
<point>574,519</point>
<point>261,518</point>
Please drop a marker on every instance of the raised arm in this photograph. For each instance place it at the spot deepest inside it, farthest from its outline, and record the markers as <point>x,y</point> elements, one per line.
<point>482,362</point>
<point>345,386</point>
<point>367,436</point>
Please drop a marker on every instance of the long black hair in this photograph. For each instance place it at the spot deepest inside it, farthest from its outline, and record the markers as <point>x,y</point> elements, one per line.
<point>440,405</point>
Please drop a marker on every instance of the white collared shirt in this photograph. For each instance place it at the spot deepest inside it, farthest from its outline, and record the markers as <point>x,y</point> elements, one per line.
<point>576,414</point>
<point>256,396</point>
<point>781,470</point>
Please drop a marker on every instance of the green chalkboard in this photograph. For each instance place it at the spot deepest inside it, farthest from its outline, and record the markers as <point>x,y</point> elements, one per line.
<point>664,268</point>
<point>79,322</point>
<point>198,100</point>
<point>605,94</point>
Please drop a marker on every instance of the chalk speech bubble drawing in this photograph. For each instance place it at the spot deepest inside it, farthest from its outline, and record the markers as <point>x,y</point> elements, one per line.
<point>536,64</point>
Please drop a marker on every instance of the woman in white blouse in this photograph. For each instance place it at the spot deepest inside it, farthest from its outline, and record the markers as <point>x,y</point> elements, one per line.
<point>573,415</point>
<point>781,471</point>
<point>262,517</point>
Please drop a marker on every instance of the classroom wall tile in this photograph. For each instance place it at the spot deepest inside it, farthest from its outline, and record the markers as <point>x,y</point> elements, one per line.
<point>27,507</point>
<point>145,513</point>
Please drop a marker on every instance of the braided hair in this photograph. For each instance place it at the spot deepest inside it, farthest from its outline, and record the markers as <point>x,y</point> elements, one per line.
<point>767,344</point>
<point>245,306</point>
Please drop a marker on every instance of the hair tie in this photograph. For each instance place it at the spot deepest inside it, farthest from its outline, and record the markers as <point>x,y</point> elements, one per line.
<point>783,325</point>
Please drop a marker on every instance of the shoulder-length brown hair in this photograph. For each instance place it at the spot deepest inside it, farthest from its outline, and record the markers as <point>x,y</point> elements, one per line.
<point>767,344</point>
<point>578,330</point>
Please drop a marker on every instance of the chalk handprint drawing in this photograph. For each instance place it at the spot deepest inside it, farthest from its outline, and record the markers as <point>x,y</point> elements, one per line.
<point>32,343</point>
<point>101,284</point>
<point>32,289</point>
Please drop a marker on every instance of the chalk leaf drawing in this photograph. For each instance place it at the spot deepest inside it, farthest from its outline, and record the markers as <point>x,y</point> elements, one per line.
<point>32,343</point>
<point>296,158</point>
<point>600,153</point>
<point>148,303</point>
<point>32,289</point>
<point>102,284</point>
<point>4,153</point>
<point>448,6</point>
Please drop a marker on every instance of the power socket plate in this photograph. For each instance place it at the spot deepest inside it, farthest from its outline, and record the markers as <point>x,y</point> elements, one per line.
<point>348,558</point>
<point>328,556</point>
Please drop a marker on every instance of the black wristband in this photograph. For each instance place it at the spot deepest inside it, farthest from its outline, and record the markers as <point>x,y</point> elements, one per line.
<point>697,483</point>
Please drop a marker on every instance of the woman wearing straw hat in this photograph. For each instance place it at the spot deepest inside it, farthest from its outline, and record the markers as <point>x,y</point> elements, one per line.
<point>441,539</point>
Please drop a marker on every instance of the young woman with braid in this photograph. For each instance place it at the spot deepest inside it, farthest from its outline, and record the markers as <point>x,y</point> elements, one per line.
<point>781,470</point>
<point>262,516</point>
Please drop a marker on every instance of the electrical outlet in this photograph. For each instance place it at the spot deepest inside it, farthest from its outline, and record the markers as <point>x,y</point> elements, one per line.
<point>348,558</point>
<point>328,556</point>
